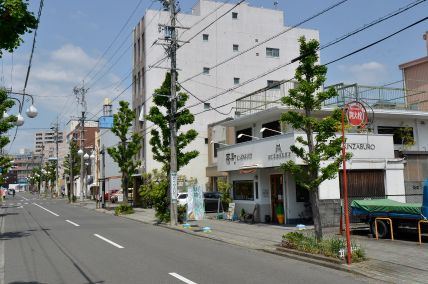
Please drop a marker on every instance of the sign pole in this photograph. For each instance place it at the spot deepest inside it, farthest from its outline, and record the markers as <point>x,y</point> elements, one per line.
<point>345,191</point>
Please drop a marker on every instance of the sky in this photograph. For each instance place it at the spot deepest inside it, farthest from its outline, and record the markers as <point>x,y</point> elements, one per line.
<point>90,41</point>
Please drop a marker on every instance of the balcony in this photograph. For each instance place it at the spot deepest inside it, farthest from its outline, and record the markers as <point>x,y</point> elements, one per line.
<point>375,97</point>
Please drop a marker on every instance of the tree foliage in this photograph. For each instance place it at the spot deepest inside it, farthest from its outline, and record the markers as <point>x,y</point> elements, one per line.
<point>75,165</point>
<point>6,123</point>
<point>50,174</point>
<point>319,148</point>
<point>15,21</point>
<point>160,115</point>
<point>128,146</point>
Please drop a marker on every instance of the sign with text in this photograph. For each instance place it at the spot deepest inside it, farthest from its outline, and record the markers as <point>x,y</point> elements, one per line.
<point>356,114</point>
<point>195,203</point>
<point>173,182</point>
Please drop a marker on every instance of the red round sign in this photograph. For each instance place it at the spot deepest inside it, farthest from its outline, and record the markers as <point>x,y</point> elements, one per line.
<point>356,114</point>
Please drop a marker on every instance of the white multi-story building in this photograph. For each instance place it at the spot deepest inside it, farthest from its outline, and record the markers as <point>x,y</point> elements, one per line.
<point>208,67</point>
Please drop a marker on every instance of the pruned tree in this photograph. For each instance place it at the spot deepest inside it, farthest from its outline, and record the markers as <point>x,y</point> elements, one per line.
<point>75,166</point>
<point>319,144</point>
<point>50,175</point>
<point>129,145</point>
<point>160,115</point>
<point>15,21</point>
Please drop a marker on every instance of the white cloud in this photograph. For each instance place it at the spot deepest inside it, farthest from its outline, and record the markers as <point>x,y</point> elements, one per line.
<point>73,55</point>
<point>369,73</point>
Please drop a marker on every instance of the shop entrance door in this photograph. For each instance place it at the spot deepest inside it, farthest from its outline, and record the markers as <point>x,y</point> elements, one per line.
<point>276,186</point>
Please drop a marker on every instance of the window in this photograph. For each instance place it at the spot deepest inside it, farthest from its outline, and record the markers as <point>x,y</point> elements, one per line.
<point>244,138</point>
<point>205,37</point>
<point>236,81</point>
<point>243,190</point>
<point>207,106</point>
<point>274,125</point>
<point>234,15</point>
<point>206,141</point>
<point>216,146</point>
<point>402,135</point>
<point>273,84</point>
<point>302,194</point>
<point>236,47</point>
<point>272,52</point>
<point>206,70</point>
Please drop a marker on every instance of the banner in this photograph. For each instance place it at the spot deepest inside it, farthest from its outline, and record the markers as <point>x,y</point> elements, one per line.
<point>195,203</point>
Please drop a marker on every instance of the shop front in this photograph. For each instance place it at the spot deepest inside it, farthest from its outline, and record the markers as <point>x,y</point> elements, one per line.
<point>260,186</point>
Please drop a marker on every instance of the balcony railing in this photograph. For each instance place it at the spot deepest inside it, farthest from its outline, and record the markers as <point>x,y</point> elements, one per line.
<point>375,97</point>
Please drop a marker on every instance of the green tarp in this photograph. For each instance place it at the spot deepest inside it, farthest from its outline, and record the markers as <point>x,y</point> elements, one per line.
<point>387,205</point>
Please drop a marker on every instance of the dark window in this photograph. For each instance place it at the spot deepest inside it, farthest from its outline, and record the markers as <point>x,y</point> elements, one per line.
<point>272,52</point>
<point>206,141</point>
<point>302,194</point>
<point>234,15</point>
<point>205,37</point>
<point>236,81</point>
<point>216,146</point>
<point>401,135</point>
<point>244,138</point>
<point>243,190</point>
<point>206,70</point>
<point>273,84</point>
<point>274,125</point>
<point>235,47</point>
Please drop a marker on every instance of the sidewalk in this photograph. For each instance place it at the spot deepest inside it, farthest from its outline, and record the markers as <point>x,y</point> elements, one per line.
<point>389,261</point>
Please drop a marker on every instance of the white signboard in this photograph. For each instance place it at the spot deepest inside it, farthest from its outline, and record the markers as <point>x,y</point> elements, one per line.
<point>274,151</point>
<point>173,182</point>
<point>195,203</point>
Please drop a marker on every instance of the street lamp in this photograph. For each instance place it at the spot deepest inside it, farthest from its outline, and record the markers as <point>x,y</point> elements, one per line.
<point>263,129</point>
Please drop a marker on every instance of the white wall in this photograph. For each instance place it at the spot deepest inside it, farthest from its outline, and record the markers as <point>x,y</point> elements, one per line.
<point>253,25</point>
<point>394,184</point>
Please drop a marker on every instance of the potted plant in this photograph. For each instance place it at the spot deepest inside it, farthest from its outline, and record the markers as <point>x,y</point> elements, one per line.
<point>280,213</point>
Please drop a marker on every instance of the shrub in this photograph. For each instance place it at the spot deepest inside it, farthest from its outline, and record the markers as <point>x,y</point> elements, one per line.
<point>154,191</point>
<point>330,247</point>
<point>123,209</point>
<point>181,213</point>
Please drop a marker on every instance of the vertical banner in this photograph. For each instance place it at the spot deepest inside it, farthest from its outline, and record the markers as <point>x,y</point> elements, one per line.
<point>173,182</point>
<point>195,203</point>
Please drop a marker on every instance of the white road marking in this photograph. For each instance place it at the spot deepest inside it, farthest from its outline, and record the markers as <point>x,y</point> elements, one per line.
<point>184,279</point>
<point>107,240</point>
<point>24,198</point>
<point>46,209</point>
<point>26,203</point>
<point>21,207</point>
<point>19,203</point>
<point>72,223</point>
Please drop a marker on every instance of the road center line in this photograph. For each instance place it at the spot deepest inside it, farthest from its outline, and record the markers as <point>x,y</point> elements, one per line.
<point>184,279</point>
<point>46,209</point>
<point>72,223</point>
<point>107,240</point>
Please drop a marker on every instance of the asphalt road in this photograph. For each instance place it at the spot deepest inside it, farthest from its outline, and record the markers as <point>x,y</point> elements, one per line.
<point>49,241</point>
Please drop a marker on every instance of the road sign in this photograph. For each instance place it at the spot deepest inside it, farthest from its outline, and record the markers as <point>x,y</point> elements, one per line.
<point>356,114</point>
<point>174,190</point>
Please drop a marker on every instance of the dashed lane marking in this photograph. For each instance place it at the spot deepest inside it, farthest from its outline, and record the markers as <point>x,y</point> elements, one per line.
<point>182,278</point>
<point>53,213</point>
<point>108,241</point>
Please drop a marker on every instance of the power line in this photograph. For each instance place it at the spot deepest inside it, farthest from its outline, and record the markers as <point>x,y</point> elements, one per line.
<point>115,39</point>
<point>268,39</point>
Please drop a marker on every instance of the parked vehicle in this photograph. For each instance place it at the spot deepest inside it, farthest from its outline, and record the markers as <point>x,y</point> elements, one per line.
<point>211,201</point>
<point>108,194</point>
<point>117,197</point>
<point>404,216</point>
<point>182,198</point>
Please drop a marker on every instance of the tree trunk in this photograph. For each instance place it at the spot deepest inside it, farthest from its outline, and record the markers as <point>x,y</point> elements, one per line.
<point>125,187</point>
<point>313,196</point>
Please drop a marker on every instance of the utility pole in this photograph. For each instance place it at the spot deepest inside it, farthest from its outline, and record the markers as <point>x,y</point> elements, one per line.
<point>41,165</point>
<point>57,157</point>
<point>80,95</point>
<point>103,177</point>
<point>173,125</point>
<point>71,176</point>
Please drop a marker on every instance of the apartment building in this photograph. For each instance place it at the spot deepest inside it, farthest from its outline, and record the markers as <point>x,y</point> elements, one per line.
<point>211,66</point>
<point>415,74</point>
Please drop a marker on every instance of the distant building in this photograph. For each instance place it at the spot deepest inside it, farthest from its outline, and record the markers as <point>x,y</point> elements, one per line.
<point>23,165</point>
<point>415,75</point>
<point>241,28</point>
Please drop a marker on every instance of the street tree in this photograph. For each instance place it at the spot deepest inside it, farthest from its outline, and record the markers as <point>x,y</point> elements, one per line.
<point>75,167</point>
<point>15,21</point>
<point>6,123</point>
<point>129,145</point>
<point>160,115</point>
<point>36,177</point>
<point>50,175</point>
<point>319,147</point>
